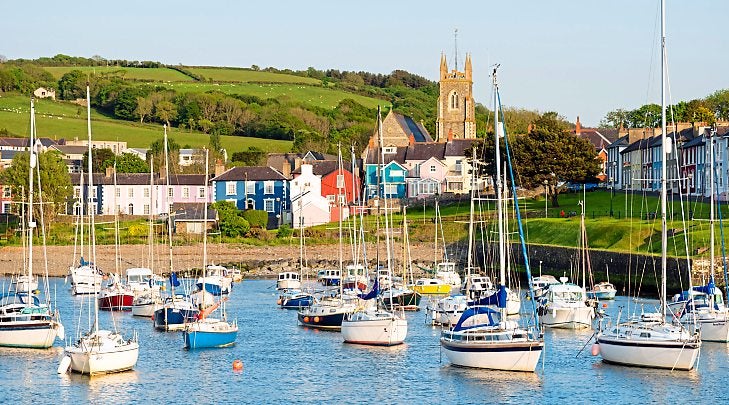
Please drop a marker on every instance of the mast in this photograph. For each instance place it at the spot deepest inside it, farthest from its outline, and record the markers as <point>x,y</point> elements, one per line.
<point>469,263</point>
<point>387,223</point>
<point>711,213</point>
<point>169,210</point>
<point>499,196</point>
<point>340,185</point>
<point>90,207</point>
<point>664,150</point>
<point>32,163</point>
<point>205,222</point>
<point>355,251</point>
<point>150,249</point>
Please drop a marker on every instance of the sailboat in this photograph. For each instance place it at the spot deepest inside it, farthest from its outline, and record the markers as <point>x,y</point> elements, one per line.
<point>295,298</point>
<point>704,305</point>
<point>649,341</point>
<point>374,325</point>
<point>177,309</point>
<point>210,332</point>
<point>483,337</point>
<point>565,305</point>
<point>98,351</point>
<point>85,278</point>
<point>445,270</point>
<point>24,320</point>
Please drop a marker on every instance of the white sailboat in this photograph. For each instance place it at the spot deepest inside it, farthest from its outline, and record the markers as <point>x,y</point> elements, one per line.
<point>24,320</point>
<point>374,325</point>
<point>483,337</point>
<point>98,351</point>
<point>649,341</point>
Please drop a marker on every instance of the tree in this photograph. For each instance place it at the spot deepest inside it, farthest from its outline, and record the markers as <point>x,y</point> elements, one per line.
<point>230,221</point>
<point>156,154</point>
<point>72,85</point>
<point>55,182</point>
<point>615,119</point>
<point>551,153</point>
<point>718,102</point>
<point>144,108</point>
<point>131,163</point>
<point>165,111</point>
<point>103,158</point>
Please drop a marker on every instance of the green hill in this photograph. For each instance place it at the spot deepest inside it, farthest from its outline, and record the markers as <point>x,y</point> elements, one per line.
<point>162,74</point>
<point>226,74</point>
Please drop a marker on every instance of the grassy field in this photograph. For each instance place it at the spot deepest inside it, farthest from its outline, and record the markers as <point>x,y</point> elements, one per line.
<point>58,120</point>
<point>220,74</point>
<point>312,95</point>
<point>151,74</point>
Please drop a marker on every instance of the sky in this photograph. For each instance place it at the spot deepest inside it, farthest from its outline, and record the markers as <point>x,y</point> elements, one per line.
<point>579,58</point>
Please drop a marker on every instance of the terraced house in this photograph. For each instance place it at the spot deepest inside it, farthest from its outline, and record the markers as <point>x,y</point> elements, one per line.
<point>255,188</point>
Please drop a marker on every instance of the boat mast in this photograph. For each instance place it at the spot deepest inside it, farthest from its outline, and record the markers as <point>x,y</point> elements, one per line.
<point>711,214</point>
<point>469,262</point>
<point>664,150</point>
<point>355,251</point>
<point>497,189</point>
<point>90,207</point>
<point>32,162</point>
<point>169,212</point>
<point>205,222</point>
<point>384,200</point>
<point>150,251</point>
<point>340,185</point>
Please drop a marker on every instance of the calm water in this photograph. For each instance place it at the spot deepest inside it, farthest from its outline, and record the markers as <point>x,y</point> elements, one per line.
<point>286,363</point>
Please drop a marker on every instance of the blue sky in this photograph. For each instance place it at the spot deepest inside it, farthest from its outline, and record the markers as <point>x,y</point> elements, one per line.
<point>575,57</point>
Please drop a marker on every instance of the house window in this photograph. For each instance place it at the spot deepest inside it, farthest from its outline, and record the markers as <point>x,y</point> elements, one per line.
<point>170,192</point>
<point>231,188</point>
<point>250,187</point>
<point>146,192</point>
<point>389,149</point>
<point>93,192</point>
<point>268,187</point>
<point>250,204</point>
<point>432,168</point>
<point>340,181</point>
<point>396,173</point>
<point>146,209</point>
<point>130,192</point>
<point>118,192</point>
<point>268,205</point>
<point>342,199</point>
<point>459,165</point>
<point>131,209</point>
<point>76,192</point>
<point>185,192</point>
<point>118,209</point>
<point>201,192</point>
<point>331,198</point>
<point>428,187</point>
<point>455,186</point>
<point>390,190</point>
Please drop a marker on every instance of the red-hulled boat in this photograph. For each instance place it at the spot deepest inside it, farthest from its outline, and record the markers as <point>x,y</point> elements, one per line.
<point>116,298</point>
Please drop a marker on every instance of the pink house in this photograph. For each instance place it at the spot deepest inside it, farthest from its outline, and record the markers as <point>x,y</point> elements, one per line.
<point>184,188</point>
<point>426,169</point>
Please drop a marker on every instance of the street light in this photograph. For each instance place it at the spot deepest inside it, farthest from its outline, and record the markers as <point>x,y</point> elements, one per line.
<point>545,197</point>
<point>612,187</point>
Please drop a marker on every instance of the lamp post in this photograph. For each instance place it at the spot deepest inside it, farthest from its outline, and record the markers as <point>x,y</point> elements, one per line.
<point>612,187</point>
<point>545,197</point>
<point>540,268</point>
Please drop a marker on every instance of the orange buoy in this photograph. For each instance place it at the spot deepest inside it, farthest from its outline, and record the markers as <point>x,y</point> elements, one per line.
<point>237,365</point>
<point>604,305</point>
<point>306,319</point>
<point>278,302</point>
<point>595,349</point>
<point>316,319</point>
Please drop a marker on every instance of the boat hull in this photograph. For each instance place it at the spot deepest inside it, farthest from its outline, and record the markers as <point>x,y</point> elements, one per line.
<point>215,289</point>
<point>146,310</point>
<point>116,302</point>
<point>103,361</point>
<point>323,321</point>
<point>409,301</point>
<point>297,302</point>
<point>202,335</point>
<point>171,319</point>
<point>714,330</point>
<point>377,332</point>
<point>672,354</point>
<point>601,295</point>
<point>440,289</point>
<point>512,356</point>
<point>28,334</point>
<point>568,318</point>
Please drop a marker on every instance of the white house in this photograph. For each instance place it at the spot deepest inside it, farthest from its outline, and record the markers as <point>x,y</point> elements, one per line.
<point>42,92</point>
<point>308,206</point>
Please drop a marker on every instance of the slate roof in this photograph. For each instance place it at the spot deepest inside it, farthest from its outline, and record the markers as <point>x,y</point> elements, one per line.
<point>183,179</point>
<point>187,212</point>
<point>409,126</point>
<point>598,140</point>
<point>622,141</point>
<point>374,154</point>
<point>425,151</point>
<point>23,142</point>
<point>458,147</point>
<point>8,154</point>
<point>699,140</point>
<point>251,173</point>
<point>324,167</point>
<point>71,149</point>
<point>640,143</point>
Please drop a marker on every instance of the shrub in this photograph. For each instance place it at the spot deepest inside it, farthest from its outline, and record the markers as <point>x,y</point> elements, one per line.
<point>138,230</point>
<point>260,234</point>
<point>256,218</point>
<point>284,231</point>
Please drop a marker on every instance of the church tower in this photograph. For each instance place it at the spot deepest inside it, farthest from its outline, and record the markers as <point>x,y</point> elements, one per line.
<point>456,109</point>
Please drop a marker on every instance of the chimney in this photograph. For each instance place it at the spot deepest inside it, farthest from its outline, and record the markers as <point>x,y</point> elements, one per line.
<point>450,135</point>
<point>411,139</point>
<point>219,167</point>
<point>635,134</point>
<point>297,163</point>
<point>578,126</point>
<point>286,169</point>
<point>109,172</point>
<point>372,142</point>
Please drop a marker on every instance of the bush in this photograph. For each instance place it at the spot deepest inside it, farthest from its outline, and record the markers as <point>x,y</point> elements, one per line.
<point>231,224</point>
<point>138,230</point>
<point>284,231</point>
<point>256,218</point>
<point>260,234</point>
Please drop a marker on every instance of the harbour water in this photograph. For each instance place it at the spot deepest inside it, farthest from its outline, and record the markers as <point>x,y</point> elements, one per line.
<point>284,363</point>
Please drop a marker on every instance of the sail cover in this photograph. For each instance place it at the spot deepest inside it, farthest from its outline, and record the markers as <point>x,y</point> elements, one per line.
<point>498,298</point>
<point>373,292</point>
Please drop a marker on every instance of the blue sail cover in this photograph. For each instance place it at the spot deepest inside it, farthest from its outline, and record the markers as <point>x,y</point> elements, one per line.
<point>708,288</point>
<point>477,310</point>
<point>173,280</point>
<point>498,299</point>
<point>374,292</point>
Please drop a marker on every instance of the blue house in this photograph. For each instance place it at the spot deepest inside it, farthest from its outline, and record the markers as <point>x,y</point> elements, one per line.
<point>255,188</point>
<point>392,174</point>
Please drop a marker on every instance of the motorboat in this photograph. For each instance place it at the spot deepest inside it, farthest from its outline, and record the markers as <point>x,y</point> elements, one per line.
<point>216,280</point>
<point>431,286</point>
<point>602,291</point>
<point>565,306</point>
<point>288,280</point>
<point>447,311</point>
